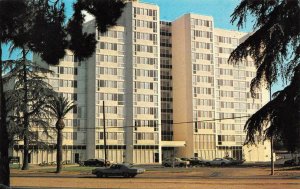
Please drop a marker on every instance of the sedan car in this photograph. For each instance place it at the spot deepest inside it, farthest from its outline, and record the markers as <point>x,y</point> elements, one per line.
<point>95,162</point>
<point>195,161</point>
<point>235,161</point>
<point>123,170</point>
<point>218,161</point>
<point>176,162</point>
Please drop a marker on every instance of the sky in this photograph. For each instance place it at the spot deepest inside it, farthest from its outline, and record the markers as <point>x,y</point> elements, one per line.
<point>172,9</point>
<point>220,10</point>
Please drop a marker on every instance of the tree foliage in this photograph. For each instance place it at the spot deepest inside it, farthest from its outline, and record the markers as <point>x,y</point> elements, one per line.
<point>39,93</point>
<point>41,27</point>
<point>10,12</point>
<point>106,13</point>
<point>275,47</point>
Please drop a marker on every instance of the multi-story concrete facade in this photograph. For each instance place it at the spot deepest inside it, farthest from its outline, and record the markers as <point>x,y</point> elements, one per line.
<point>209,94</point>
<point>124,73</point>
<point>167,90</point>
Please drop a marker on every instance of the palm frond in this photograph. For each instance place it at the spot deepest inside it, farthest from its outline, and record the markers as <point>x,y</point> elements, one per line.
<point>60,106</point>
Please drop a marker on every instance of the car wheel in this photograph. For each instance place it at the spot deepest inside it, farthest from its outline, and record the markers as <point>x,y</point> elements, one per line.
<point>207,164</point>
<point>105,175</point>
<point>222,164</point>
<point>125,175</point>
<point>99,175</point>
<point>133,175</point>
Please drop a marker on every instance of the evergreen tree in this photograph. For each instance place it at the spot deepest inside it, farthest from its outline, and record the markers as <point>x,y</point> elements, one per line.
<point>26,101</point>
<point>275,47</point>
<point>39,26</point>
<point>10,12</point>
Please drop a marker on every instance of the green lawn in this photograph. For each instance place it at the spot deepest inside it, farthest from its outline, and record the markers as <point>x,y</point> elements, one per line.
<point>15,166</point>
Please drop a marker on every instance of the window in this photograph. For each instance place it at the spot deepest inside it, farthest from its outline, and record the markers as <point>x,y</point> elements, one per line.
<point>203,34</point>
<point>201,45</point>
<point>108,46</point>
<point>70,135</point>
<point>144,136</point>
<point>201,56</point>
<point>68,83</point>
<point>200,22</point>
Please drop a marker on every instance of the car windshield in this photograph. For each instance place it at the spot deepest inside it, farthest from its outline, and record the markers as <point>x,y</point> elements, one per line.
<point>121,165</point>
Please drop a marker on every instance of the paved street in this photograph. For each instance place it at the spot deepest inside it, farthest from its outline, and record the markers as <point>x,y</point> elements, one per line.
<point>231,178</point>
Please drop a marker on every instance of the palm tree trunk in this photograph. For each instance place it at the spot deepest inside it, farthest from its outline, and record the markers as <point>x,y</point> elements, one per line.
<point>59,150</point>
<point>4,162</point>
<point>26,117</point>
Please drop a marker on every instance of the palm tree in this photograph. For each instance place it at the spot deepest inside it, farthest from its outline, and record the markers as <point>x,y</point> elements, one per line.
<point>60,106</point>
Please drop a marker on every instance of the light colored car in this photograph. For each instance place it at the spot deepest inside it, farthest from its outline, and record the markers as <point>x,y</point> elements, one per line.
<point>124,170</point>
<point>176,162</point>
<point>218,161</point>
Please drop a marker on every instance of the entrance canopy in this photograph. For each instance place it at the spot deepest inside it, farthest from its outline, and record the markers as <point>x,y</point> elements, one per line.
<point>172,143</point>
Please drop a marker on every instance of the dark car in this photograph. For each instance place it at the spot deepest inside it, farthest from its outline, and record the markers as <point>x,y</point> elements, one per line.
<point>235,161</point>
<point>195,161</point>
<point>291,162</point>
<point>124,170</point>
<point>94,162</point>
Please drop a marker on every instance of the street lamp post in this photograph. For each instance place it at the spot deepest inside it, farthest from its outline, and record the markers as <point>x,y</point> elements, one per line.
<point>271,140</point>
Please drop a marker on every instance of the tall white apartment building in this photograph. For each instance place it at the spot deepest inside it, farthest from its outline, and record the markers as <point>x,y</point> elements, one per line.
<point>124,73</point>
<point>208,92</point>
<point>167,88</point>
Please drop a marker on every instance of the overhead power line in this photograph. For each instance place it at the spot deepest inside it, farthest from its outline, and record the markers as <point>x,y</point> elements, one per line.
<point>176,123</point>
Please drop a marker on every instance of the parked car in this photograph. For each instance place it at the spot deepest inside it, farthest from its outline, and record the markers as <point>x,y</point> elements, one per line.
<point>186,159</point>
<point>108,162</point>
<point>124,170</point>
<point>176,162</point>
<point>218,161</point>
<point>235,161</point>
<point>195,161</point>
<point>95,162</point>
<point>292,162</point>
<point>206,162</point>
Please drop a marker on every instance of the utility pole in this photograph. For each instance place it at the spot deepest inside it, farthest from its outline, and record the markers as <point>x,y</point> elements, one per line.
<point>272,157</point>
<point>104,136</point>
